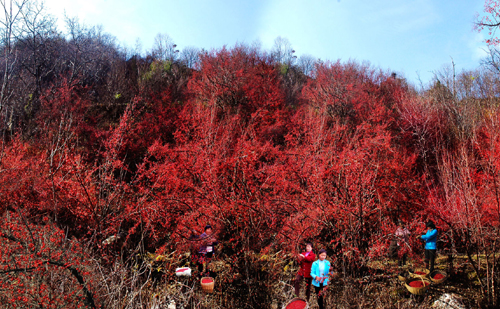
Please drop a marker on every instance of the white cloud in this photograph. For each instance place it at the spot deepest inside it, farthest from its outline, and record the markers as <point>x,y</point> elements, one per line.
<point>478,47</point>
<point>479,53</point>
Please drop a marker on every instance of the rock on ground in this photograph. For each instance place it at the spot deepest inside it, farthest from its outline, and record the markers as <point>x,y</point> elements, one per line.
<point>449,301</point>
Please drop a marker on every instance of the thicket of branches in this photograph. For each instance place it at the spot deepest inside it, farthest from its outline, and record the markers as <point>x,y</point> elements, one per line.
<point>110,160</point>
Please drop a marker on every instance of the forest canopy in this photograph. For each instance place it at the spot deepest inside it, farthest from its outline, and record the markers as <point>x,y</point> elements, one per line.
<point>109,157</point>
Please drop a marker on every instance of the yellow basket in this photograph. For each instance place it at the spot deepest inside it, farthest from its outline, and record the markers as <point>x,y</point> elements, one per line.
<point>297,299</point>
<point>431,275</point>
<point>209,286</point>
<point>420,290</point>
<point>422,270</point>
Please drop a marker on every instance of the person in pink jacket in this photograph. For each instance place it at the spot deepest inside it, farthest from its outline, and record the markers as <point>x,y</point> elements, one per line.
<point>402,237</point>
<point>305,260</point>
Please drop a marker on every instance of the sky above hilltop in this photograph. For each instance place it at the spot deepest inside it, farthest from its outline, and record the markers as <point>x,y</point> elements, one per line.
<point>414,38</point>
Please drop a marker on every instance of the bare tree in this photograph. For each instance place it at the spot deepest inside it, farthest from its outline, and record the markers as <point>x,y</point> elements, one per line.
<point>38,41</point>
<point>492,59</point>
<point>282,51</point>
<point>28,59</point>
<point>306,64</point>
<point>94,59</point>
<point>164,48</point>
<point>190,56</point>
<point>12,14</point>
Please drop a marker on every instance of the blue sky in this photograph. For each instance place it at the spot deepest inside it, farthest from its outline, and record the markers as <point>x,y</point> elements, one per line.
<point>411,37</point>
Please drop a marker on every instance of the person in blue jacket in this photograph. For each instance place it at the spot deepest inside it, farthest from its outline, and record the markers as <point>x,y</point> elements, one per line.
<point>320,270</point>
<point>430,239</point>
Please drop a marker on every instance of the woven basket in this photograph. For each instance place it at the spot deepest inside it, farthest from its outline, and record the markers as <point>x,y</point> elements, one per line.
<point>296,299</point>
<point>417,291</point>
<point>431,275</point>
<point>402,276</point>
<point>414,275</point>
<point>207,287</point>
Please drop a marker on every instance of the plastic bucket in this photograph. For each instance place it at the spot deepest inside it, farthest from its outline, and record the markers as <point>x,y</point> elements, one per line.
<point>297,303</point>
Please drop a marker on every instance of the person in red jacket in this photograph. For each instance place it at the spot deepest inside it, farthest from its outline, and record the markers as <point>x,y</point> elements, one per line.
<point>305,260</point>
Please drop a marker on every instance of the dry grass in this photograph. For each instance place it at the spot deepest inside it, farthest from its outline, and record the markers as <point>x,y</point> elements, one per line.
<point>379,288</point>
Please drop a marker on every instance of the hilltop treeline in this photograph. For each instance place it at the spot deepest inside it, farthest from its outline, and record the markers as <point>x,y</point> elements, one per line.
<point>110,159</point>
